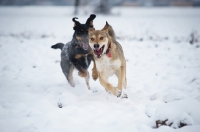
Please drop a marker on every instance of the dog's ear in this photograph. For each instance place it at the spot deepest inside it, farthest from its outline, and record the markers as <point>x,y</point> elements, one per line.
<point>90,30</point>
<point>90,20</point>
<point>75,22</point>
<point>105,27</point>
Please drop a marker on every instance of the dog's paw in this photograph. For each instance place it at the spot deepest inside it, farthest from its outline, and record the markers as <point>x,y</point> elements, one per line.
<point>82,74</point>
<point>94,76</point>
<point>88,87</point>
<point>118,93</point>
<point>72,84</point>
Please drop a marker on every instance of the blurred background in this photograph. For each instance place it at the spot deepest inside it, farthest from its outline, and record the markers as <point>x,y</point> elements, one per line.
<point>101,6</point>
<point>111,2</point>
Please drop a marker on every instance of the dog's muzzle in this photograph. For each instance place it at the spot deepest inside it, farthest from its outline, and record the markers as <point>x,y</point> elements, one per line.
<point>98,51</point>
<point>85,45</point>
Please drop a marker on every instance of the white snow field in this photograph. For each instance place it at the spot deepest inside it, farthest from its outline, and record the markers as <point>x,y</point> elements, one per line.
<point>162,49</point>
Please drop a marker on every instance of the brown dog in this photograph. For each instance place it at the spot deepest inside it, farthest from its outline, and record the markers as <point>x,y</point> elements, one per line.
<point>109,58</point>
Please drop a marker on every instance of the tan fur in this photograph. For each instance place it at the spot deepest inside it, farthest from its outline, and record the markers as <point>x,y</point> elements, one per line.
<point>108,66</point>
<point>84,73</point>
<point>78,38</point>
<point>79,56</point>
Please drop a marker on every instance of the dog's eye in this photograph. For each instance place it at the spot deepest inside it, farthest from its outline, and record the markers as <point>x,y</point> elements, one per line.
<point>101,38</point>
<point>92,39</point>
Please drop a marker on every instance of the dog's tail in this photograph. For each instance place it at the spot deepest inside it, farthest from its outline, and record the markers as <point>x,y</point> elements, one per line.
<point>58,46</point>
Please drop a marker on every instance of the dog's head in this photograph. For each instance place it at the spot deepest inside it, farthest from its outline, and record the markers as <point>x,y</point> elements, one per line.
<point>81,32</point>
<point>99,40</point>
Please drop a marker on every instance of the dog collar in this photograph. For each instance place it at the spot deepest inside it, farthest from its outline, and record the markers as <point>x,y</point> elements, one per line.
<point>108,51</point>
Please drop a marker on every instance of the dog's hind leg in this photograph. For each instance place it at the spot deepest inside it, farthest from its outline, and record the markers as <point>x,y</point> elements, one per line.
<point>124,93</point>
<point>85,74</point>
<point>67,69</point>
<point>121,78</point>
<point>70,76</point>
<point>121,75</point>
<point>124,82</point>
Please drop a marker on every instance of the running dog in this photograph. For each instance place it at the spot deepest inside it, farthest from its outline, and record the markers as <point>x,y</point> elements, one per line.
<point>109,58</point>
<point>77,53</point>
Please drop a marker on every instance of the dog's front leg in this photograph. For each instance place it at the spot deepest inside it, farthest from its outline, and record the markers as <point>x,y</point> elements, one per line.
<point>81,72</point>
<point>104,82</point>
<point>94,71</point>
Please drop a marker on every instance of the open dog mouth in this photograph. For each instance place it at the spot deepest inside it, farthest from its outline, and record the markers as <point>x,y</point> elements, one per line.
<point>98,51</point>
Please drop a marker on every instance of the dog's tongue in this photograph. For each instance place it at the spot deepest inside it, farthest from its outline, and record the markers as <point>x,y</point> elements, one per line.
<point>98,52</point>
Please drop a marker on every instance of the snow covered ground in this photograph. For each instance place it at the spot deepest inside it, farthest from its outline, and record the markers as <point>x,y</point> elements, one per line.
<point>162,49</point>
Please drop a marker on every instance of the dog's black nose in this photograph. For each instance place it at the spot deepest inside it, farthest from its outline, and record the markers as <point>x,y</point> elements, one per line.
<point>96,45</point>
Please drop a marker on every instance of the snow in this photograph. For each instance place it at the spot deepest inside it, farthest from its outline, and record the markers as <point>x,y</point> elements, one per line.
<point>168,95</point>
<point>178,111</point>
<point>163,72</point>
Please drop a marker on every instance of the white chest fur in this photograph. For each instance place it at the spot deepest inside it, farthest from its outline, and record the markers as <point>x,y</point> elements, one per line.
<point>107,66</point>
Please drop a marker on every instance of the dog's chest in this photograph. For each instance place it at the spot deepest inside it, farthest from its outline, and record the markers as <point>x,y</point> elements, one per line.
<point>107,66</point>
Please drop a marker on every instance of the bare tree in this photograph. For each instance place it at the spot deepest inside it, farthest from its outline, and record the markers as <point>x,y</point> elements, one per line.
<point>103,7</point>
<point>76,5</point>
